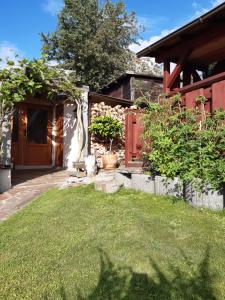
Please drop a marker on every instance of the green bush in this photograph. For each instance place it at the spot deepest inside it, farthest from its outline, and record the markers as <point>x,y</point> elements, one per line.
<point>107,129</point>
<point>186,143</point>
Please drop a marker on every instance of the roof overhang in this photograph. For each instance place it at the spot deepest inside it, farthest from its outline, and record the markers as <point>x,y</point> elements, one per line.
<point>95,97</point>
<point>211,25</point>
<point>129,74</point>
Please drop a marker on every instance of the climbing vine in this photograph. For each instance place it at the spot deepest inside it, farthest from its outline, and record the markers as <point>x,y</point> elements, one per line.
<point>36,78</point>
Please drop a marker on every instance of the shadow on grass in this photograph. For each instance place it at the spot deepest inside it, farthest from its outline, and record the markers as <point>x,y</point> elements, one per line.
<point>195,282</point>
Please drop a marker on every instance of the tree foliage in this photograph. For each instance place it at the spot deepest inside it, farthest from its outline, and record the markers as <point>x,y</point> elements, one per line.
<point>92,38</point>
<point>186,143</point>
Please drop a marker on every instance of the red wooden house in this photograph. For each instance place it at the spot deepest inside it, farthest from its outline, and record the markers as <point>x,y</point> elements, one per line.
<point>194,65</point>
<point>198,52</point>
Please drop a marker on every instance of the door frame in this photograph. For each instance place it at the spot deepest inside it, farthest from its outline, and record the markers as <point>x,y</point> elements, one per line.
<point>55,142</point>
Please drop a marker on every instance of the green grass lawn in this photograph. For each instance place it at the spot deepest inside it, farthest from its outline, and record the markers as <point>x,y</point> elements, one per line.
<point>82,244</point>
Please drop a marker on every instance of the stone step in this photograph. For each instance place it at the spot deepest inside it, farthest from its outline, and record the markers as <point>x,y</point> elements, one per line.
<point>108,187</point>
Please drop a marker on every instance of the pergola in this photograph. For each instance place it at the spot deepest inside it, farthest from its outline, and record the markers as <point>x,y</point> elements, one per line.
<point>198,52</point>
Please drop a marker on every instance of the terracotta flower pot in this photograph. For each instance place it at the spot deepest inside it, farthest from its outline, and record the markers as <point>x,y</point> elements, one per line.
<point>109,161</point>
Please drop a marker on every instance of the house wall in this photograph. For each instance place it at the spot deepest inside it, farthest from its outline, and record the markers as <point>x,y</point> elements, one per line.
<point>5,174</point>
<point>6,143</point>
<point>120,90</point>
<point>141,86</point>
<point>133,87</point>
<point>70,133</point>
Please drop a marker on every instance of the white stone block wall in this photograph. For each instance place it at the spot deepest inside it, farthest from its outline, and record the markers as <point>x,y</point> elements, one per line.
<point>5,180</point>
<point>71,139</point>
<point>6,144</point>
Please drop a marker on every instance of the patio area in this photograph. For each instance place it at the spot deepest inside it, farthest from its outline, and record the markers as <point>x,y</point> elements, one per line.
<point>26,186</point>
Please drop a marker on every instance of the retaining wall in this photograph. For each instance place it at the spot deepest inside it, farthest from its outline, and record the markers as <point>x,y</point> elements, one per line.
<point>214,200</point>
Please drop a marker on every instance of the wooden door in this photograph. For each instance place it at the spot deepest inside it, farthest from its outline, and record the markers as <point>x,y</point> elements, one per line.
<point>32,135</point>
<point>133,141</point>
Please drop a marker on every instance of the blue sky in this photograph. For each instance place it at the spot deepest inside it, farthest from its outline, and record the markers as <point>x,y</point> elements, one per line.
<point>22,21</point>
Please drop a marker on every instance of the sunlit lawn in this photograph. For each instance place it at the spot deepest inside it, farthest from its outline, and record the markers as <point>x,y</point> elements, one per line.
<point>82,244</point>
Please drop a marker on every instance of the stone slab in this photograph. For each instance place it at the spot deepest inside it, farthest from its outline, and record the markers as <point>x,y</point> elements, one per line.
<point>210,199</point>
<point>164,186</point>
<point>143,183</point>
<point>108,187</point>
<point>124,179</point>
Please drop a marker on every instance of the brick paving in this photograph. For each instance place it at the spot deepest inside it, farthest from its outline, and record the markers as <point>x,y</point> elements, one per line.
<point>26,186</point>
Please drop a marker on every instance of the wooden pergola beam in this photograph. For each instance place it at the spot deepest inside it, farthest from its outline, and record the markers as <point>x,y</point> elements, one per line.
<point>166,76</point>
<point>196,76</point>
<point>195,41</point>
<point>178,69</point>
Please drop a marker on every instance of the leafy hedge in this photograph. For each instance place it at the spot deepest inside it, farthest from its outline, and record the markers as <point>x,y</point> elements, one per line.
<point>185,143</point>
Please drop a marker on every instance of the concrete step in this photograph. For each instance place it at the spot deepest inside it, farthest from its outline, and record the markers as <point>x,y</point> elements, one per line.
<point>108,187</point>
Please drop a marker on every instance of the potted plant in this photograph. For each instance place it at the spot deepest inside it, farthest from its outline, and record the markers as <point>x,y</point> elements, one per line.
<point>107,129</point>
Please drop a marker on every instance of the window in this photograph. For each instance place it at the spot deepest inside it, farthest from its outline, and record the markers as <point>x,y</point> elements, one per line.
<point>37,126</point>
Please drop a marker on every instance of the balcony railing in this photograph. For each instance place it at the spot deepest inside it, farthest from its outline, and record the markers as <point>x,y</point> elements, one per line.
<point>212,88</point>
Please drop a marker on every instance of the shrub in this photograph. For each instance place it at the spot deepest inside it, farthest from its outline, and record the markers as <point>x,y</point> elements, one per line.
<point>107,129</point>
<point>186,143</point>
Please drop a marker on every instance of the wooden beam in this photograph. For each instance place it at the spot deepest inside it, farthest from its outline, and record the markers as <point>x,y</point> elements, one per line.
<point>173,77</point>
<point>186,76</point>
<point>166,76</point>
<point>193,41</point>
<point>196,76</point>
<point>203,83</point>
<point>179,67</point>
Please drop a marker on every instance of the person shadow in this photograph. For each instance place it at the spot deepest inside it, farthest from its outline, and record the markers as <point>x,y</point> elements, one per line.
<point>122,283</point>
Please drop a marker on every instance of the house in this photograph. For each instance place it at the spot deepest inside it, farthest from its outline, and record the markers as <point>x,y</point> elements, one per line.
<point>193,57</point>
<point>131,86</point>
<point>197,50</point>
<point>44,134</point>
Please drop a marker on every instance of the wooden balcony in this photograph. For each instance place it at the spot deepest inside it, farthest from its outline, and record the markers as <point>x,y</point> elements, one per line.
<point>212,88</point>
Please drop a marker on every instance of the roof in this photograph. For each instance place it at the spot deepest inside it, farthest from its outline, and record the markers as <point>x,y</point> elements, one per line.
<point>129,74</point>
<point>108,99</point>
<point>213,18</point>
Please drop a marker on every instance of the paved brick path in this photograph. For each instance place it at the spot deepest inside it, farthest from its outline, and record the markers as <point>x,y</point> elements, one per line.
<point>27,185</point>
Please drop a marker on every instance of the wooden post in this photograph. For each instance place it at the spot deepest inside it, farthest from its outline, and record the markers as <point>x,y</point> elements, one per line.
<point>186,76</point>
<point>166,76</point>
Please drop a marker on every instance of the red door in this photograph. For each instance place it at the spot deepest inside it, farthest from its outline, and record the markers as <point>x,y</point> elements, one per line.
<point>32,135</point>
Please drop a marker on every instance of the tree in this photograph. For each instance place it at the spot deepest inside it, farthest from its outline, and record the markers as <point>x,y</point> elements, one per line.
<point>145,65</point>
<point>92,38</point>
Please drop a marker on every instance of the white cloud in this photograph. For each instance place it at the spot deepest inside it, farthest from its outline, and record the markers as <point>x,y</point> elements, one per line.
<point>199,10</point>
<point>148,23</point>
<point>9,51</point>
<point>52,6</point>
<point>217,2</point>
<point>145,43</point>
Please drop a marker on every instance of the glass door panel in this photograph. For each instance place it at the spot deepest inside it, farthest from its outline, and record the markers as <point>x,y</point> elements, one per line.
<point>37,126</point>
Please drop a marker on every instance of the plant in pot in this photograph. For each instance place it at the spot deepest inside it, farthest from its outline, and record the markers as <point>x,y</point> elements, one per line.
<point>107,129</point>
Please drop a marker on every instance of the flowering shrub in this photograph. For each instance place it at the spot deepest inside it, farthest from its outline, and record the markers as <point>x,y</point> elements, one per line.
<point>186,143</point>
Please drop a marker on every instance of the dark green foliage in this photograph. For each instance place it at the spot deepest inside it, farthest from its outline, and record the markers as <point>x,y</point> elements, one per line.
<point>179,144</point>
<point>106,128</point>
<point>92,38</point>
